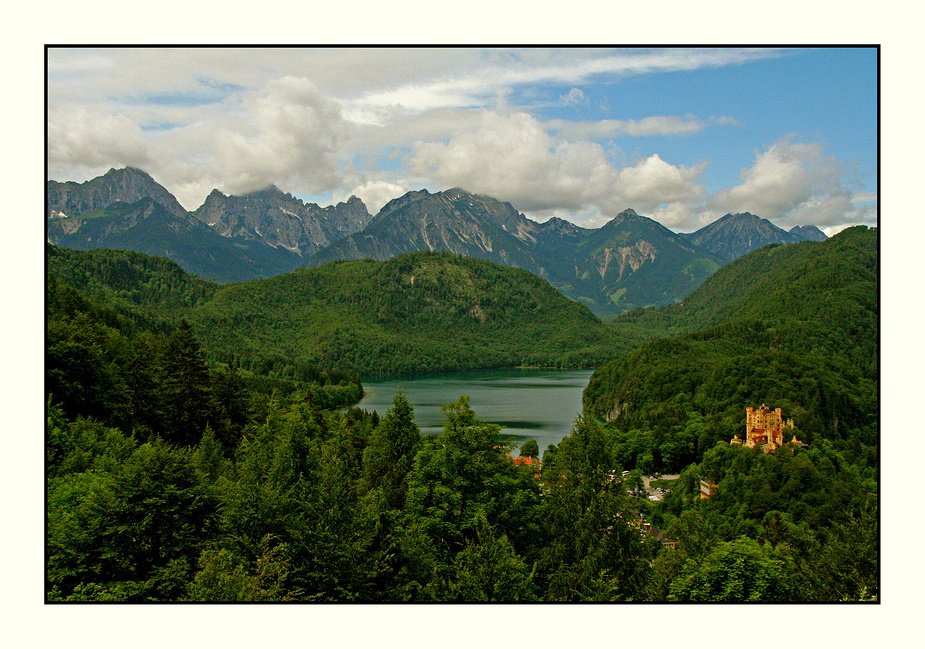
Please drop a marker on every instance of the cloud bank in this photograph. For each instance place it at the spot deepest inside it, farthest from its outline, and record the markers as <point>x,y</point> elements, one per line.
<point>550,130</point>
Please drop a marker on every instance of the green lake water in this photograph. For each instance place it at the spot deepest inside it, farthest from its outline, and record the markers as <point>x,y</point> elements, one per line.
<point>527,403</point>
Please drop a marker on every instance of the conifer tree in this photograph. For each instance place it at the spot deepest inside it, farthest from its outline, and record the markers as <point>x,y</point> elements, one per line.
<point>186,391</point>
<point>389,456</point>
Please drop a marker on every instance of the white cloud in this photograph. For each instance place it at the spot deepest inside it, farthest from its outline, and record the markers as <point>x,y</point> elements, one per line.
<point>653,182</point>
<point>648,126</point>
<point>574,97</point>
<point>796,184</point>
<point>511,157</point>
<point>472,79</point>
<point>376,193</point>
<point>94,140</point>
<point>295,138</point>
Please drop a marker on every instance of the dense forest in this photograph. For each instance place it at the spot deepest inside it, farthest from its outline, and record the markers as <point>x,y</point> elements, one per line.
<point>418,312</point>
<point>192,455</point>
<point>794,326</point>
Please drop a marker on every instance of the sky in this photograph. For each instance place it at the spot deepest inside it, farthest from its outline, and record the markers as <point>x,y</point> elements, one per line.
<point>682,135</point>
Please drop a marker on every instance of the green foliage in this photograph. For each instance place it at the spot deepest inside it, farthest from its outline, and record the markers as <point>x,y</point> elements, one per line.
<point>464,474</point>
<point>530,449</point>
<point>133,531</point>
<point>795,326</point>
<point>595,552</point>
<point>489,570</point>
<point>792,326</point>
<point>140,288</point>
<point>389,456</point>
<point>221,578</point>
<point>414,313</point>
<point>738,571</point>
<point>196,453</point>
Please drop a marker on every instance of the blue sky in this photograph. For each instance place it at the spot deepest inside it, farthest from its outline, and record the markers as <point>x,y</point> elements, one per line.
<point>817,94</point>
<point>680,135</point>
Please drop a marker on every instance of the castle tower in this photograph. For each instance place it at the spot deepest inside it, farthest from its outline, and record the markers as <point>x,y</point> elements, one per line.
<point>764,427</point>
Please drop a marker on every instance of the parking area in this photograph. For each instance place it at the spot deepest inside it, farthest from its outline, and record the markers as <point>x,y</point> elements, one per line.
<point>656,494</point>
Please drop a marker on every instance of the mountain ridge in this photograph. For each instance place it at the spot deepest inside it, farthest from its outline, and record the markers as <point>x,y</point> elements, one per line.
<point>125,185</point>
<point>632,261</point>
<point>280,219</point>
<point>148,227</point>
<point>592,266</point>
<point>734,235</point>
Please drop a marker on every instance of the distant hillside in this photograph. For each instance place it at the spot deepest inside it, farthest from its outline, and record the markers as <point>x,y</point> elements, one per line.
<point>777,281</point>
<point>154,291</point>
<point>634,261</point>
<point>793,326</point>
<point>417,312</point>
<point>809,232</point>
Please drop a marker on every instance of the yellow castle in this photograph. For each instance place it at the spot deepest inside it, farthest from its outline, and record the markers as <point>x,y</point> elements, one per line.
<point>764,428</point>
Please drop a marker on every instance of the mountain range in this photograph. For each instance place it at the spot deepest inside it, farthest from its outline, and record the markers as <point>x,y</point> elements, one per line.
<point>631,261</point>
<point>281,220</point>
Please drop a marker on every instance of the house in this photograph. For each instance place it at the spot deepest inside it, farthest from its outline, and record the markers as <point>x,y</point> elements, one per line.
<point>707,489</point>
<point>529,461</point>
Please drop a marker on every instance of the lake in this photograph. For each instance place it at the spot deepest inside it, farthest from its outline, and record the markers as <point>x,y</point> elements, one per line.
<point>527,403</point>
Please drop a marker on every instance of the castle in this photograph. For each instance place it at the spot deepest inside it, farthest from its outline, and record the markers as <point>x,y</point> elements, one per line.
<point>765,428</point>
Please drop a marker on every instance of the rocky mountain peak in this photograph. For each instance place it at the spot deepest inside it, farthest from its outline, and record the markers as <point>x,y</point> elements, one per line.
<point>809,232</point>
<point>734,235</point>
<point>400,202</point>
<point>126,185</point>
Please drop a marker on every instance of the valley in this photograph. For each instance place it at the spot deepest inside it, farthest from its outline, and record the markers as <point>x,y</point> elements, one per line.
<point>265,438</point>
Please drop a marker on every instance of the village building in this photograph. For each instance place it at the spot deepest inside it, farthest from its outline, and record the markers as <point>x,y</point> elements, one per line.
<point>529,461</point>
<point>707,489</point>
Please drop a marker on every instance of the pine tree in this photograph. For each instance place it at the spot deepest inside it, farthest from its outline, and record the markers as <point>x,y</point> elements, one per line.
<point>186,390</point>
<point>389,457</point>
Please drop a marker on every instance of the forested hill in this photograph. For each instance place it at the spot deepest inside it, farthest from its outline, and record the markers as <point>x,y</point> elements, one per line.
<point>802,281</point>
<point>153,291</point>
<point>172,478</point>
<point>794,326</point>
<point>417,312</point>
<point>832,281</point>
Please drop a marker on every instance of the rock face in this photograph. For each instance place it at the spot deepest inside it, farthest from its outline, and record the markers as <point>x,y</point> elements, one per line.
<point>454,220</point>
<point>808,232</point>
<point>281,220</point>
<point>229,238</point>
<point>735,235</point>
<point>634,261</point>
<point>116,185</point>
<point>147,226</point>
